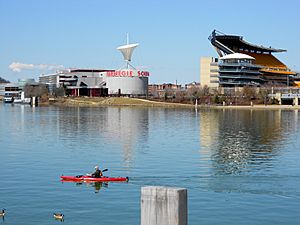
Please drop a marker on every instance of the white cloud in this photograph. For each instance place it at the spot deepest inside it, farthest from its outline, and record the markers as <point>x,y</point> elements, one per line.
<point>18,67</point>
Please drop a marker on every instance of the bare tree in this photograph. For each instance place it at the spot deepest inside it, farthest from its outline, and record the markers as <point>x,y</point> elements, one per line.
<point>205,90</point>
<point>35,90</point>
<point>249,92</point>
<point>59,92</point>
<point>263,95</point>
<point>180,96</point>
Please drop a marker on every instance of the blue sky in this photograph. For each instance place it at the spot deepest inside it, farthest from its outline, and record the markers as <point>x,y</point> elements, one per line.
<point>172,34</point>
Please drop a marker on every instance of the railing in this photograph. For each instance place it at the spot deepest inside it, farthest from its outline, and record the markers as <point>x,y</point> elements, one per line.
<point>241,64</point>
<point>285,96</point>
<point>241,77</point>
<point>238,71</point>
<point>239,83</point>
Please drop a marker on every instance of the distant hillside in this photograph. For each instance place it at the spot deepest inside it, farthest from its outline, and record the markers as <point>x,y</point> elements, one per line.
<point>3,80</point>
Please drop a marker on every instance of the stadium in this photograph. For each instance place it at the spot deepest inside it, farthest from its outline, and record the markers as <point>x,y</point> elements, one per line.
<point>272,70</point>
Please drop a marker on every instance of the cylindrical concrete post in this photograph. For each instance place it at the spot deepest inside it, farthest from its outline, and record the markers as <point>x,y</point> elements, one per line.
<point>163,206</point>
<point>296,101</point>
<point>33,101</point>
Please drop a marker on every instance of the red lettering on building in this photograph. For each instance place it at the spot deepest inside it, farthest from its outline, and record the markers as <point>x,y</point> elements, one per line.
<point>143,73</point>
<point>127,73</point>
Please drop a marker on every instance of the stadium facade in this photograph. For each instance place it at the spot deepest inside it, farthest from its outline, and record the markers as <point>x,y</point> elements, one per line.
<point>209,72</point>
<point>238,69</point>
<point>271,70</point>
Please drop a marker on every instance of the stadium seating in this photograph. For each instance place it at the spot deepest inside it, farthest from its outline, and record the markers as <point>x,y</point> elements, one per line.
<point>267,60</point>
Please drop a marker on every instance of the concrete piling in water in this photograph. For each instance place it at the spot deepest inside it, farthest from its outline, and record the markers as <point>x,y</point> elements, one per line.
<point>163,206</point>
<point>33,101</point>
<point>296,101</point>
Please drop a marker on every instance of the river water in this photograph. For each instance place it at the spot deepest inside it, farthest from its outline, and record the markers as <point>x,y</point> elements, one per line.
<point>239,166</point>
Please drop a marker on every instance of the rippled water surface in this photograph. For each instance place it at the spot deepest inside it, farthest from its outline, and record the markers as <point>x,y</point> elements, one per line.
<point>239,166</point>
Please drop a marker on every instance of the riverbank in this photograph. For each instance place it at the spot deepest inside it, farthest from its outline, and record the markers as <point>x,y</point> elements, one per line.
<point>125,101</point>
<point>259,107</point>
<point>113,101</point>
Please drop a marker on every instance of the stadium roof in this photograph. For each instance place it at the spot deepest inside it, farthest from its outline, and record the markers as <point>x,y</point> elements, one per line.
<point>237,56</point>
<point>237,44</point>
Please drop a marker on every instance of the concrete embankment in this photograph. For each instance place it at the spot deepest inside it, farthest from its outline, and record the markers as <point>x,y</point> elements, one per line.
<point>259,107</point>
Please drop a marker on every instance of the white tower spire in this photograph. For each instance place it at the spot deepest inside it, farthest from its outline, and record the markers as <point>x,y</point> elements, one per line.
<point>127,50</point>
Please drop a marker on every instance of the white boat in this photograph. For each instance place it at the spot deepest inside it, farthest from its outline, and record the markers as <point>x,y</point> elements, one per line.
<point>22,99</point>
<point>8,99</point>
<point>11,91</point>
<point>18,100</point>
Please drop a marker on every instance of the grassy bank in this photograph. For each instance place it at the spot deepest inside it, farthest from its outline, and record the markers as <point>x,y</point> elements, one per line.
<point>113,101</point>
<point>133,102</point>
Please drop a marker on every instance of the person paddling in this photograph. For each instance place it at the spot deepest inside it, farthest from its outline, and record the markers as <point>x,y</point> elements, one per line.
<point>97,173</point>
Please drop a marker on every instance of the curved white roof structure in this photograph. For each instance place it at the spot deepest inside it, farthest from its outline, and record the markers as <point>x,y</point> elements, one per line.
<point>237,56</point>
<point>127,50</point>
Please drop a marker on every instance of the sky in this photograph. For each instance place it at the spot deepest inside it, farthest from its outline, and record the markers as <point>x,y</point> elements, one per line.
<point>42,36</point>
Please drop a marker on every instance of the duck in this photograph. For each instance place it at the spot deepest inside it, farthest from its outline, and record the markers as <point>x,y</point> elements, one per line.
<point>58,216</point>
<point>2,213</point>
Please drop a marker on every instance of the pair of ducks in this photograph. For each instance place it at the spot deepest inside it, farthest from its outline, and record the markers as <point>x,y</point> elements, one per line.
<point>57,216</point>
<point>2,213</point>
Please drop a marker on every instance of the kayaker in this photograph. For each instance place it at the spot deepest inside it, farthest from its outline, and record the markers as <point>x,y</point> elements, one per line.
<point>97,173</point>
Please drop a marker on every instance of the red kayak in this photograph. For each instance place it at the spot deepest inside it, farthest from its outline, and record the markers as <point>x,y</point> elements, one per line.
<point>93,179</point>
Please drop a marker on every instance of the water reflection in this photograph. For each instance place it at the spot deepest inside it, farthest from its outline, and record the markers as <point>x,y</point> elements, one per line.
<point>240,140</point>
<point>128,126</point>
<point>123,126</point>
<point>96,185</point>
<point>84,127</point>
